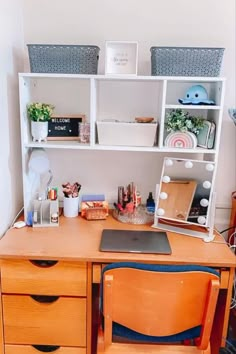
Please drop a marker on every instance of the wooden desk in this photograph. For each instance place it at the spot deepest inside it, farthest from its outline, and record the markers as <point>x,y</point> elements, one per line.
<point>75,247</point>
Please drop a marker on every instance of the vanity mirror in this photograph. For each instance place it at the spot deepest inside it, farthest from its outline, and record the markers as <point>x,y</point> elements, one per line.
<point>185,197</point>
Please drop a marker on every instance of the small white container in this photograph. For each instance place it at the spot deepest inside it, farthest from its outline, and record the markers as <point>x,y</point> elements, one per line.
<point>71,207</point>
<point>126,134</point>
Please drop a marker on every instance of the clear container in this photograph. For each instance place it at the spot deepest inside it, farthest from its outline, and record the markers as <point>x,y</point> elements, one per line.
<point>139,216</point>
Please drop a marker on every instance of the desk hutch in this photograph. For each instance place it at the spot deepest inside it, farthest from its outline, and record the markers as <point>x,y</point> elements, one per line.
<point>101,97</point>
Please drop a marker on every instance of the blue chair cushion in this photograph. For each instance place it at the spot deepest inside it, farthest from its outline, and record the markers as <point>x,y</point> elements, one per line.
<point>122,331</point>
<point>125,332</point>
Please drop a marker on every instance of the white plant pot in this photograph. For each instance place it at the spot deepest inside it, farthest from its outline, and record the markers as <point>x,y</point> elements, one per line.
<point>39,131</point>
<point>71,207</point>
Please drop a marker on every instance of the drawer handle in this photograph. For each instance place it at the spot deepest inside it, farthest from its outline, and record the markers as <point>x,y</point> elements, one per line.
<point>43,263</point>
<point>46,348</point>
<point>45,299</point>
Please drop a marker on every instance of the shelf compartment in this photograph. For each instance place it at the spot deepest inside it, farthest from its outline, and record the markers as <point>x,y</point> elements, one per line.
<point>125,100</point>
<point>211,115</point>
<point>177,90</point>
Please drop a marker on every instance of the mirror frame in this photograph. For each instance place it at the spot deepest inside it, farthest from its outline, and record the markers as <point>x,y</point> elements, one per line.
<point>184,225</point>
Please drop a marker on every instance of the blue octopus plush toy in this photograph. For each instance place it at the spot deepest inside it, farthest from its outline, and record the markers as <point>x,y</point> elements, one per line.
<point>196,95</point>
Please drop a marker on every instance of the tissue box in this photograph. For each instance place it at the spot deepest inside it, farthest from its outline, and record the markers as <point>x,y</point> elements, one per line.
<point>94,210</point>
<point>126,133</point>
<point>96,213</point>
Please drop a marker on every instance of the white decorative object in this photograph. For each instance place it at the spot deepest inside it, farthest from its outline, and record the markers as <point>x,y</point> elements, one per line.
<point>186,140</point>
<point>39,131</point>
<point>121,58</point>
<point>71,207</point>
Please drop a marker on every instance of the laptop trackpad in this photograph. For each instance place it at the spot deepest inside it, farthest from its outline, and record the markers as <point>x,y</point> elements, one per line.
<point>136,241</point>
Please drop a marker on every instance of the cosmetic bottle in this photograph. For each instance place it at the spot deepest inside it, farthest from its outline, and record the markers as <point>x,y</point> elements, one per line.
<point>150,204</point>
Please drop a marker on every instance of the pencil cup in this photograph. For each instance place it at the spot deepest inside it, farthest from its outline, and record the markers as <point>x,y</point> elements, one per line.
<point>71,207</point>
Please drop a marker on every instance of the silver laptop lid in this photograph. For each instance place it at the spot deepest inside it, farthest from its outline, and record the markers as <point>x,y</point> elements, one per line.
<point>135,241</point>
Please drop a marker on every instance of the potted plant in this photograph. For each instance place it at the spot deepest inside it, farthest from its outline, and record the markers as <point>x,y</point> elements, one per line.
<point>180,120</point>
<point>183,128</point>
<point>39,114</point>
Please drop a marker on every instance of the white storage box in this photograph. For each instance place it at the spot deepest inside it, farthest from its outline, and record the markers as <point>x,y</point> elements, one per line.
<point>126,133</point>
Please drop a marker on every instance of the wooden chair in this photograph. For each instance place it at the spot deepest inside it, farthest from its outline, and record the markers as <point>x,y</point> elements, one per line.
<point>157,308</point>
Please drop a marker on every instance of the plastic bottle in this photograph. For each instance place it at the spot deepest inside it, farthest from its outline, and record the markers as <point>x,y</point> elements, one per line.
<point>150,204</point>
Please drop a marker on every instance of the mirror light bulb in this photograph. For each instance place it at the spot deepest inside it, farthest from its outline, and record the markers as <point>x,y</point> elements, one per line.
<point>160,212</point>
<point>188,164</point>
<point>169,162</point>
<point>206,184</point>
<point>166,179</point>
<point>163,195</point>
<point>204,202</point>
<point>209,167</point>
<point>201,220</point>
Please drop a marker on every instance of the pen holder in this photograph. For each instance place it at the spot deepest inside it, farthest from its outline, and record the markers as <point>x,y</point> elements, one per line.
<point>71,207</point>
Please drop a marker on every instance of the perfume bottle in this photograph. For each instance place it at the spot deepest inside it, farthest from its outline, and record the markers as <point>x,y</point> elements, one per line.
<point>150,204</point>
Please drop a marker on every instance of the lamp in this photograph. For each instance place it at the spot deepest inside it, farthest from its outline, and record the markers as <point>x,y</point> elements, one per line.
<point>44,210</point>
<point>39,164</point>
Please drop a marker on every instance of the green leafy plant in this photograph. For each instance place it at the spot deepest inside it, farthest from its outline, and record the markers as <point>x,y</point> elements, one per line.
<point>40,112</point>
<point>180,120</point>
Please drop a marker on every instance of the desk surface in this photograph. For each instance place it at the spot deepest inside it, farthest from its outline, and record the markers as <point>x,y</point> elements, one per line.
<point>78,239</point>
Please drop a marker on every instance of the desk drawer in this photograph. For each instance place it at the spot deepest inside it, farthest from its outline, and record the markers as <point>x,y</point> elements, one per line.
<point>28,349</point>
<point>44,277</point>
<point>52,321</point>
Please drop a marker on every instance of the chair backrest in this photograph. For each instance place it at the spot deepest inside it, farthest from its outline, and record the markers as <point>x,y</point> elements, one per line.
<point>159,303</point>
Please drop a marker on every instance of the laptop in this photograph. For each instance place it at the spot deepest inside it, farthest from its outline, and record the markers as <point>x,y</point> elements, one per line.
<point>134,241</point>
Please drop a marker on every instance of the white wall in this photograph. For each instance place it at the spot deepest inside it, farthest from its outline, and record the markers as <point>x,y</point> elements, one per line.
<point>11,62</point>
<point>154,22</point>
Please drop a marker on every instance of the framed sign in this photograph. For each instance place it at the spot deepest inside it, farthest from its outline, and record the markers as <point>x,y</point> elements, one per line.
<point>64,127</point>
<point>121,58</point>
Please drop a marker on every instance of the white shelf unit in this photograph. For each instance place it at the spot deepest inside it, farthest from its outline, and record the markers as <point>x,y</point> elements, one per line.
<point>125,97</point>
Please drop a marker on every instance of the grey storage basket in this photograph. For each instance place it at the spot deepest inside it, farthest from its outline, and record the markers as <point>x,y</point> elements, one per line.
<point>186,61</point>
<point>66,59</point>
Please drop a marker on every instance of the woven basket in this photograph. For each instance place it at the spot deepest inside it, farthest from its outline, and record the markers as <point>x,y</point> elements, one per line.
<point>66,59</point>
<point>186,61</point>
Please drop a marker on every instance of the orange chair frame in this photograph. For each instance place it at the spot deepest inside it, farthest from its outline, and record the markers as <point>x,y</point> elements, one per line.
<point>158,304</point>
